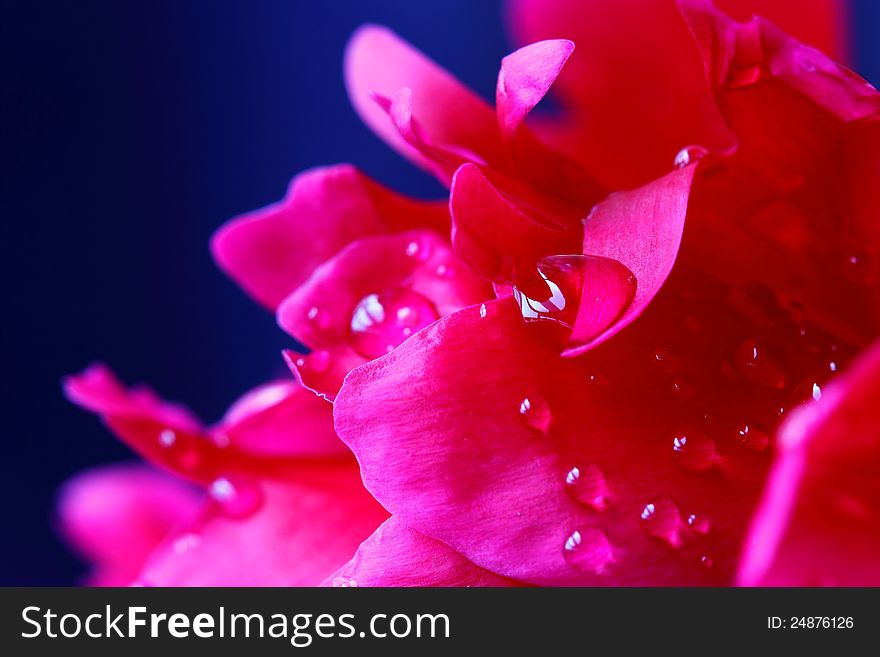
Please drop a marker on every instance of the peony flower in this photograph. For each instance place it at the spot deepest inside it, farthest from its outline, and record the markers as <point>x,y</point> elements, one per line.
<point>632,349</point>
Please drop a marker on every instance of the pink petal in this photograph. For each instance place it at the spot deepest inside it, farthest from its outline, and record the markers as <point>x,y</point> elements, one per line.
<point>396,555</point>
<point>116,515</point>
<point>633,92</point>
<point>281,419</point>
<point>818,523</point>
<point>322,371</point>
<point>525,78</point>
<point>378,63</point>
<point>311,521</point>
<point>271,251</point>
<point>469,433</point>
<point>642,230</point>
<point>790,206</point>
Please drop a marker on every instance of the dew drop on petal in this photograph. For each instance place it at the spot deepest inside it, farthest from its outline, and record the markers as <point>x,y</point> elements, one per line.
<point>535,412</point>
<point>808,390</point>
<point>586,485</point>
<point>167,437</point>
<point>237,496</point>
<point>588,550</point>
<point>380,322</point>
<point>693,450</point>
<point>688,155</point>
<point>706,561</point>
<point>344,583</point>
<point>756,366</point>
<point>186,543</point>
<point>752,436</point>
<point>698,523</point>
<point>661,519</point>
<point>482,311</point>
<point>756,301</point>
<point>683,388</point>
<point>856,267</point>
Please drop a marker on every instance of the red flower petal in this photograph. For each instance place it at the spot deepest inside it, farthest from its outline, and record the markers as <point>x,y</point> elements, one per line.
<point>790,206</point>
<point>633,90</point>
<point>311,520</point>
<point>116,516</point>
<point>396,555</point>
<point>325,209</point>
<point>525,78</point>
<point>818,522</point>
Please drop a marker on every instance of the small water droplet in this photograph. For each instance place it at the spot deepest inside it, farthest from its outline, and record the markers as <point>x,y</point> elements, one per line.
<point>380,322</point>
<point>588,549</point>
<point>661,519</point>
<point>706,561</point>
<point>444,271</point>
<point>313,312</point>
<point>238,496</point>
<point>186,543</point>
<point>666,361</point>
<point>482,311</point>
<point>693,450</point>
<point>808,390</point>
<point>167,437</point>
<point>698,523</point>
<point>683,388</point>
<point>586,484</point>
<point>535,412</point>
<point>344,583</point>
<point>755,365</point>
<point>689,155</point>
<point>752,436</point>
<point>856,267</point>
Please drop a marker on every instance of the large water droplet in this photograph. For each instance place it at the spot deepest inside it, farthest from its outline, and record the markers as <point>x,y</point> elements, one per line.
<point>661,519</point>
<point>808,390</point>
<point>380,322</point>
<point>588,549</point>
<point>688,155</point>
<point>238,496</point>
<point>586,484</point>
<point>693,450</point>
<point>584,296</point>
<point>752,436</point>
<point>755,365</point>
<point>535,412</point>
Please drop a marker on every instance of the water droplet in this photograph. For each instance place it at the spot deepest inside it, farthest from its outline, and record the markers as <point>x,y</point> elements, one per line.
<point>756,301</point>
<point>706,561</point>
<point>586,484</point>
<point>856,267</point>
<point>754,365</point>
<point>661,519</point>
<point>745,76</point>
<point>698,523</point>
<point>482,311</point>
<point>344,583</point>
<point>808,390</point>
<point>380,322</point>
<point>683,388</point>
<point>693,450</point>
<point>588,549</point>
<point>752,436</point>
<point>238,496</point>
<point>221,439</point>
<point>186,543</point>
<point>167,437</point>
<point>535,412</point>
<point>666,361</point>
<point>316,362</point>
<point>444,271</point>
<point>612,287</point>
<point>689,155</point>
<point>313,312</point>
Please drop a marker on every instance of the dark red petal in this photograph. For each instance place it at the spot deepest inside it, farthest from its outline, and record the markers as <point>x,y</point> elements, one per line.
<point>818,523</point>
<point>633,90</point>
<point>396,555</point>
<point>310,522</point>
<point>281,419</point>
<point>271,251</point>
<point>115,516</point>
<point>789,207</point>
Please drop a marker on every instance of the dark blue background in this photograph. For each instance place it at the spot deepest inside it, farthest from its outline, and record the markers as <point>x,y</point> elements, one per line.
<point>131,130</point>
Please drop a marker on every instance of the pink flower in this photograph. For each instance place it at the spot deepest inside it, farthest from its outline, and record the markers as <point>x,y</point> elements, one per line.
<point>573,372</point>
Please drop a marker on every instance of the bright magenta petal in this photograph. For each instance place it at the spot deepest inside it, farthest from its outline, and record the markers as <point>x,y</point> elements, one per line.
<point>281,419</point>
<point>115,516</point>
<point>312,519</point>
<point>271,251</point>
<point>525,78</point>
<point>396,555</point>
<point>818,523</point>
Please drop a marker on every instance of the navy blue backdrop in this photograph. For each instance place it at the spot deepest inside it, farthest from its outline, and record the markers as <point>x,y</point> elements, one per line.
<point>131,130</point>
